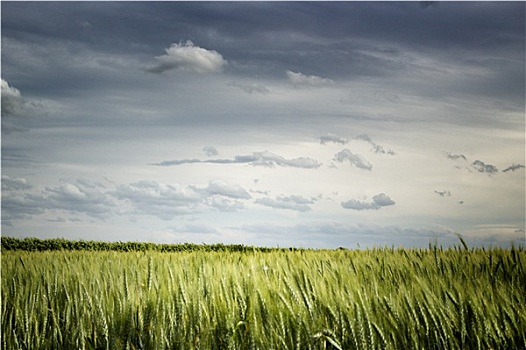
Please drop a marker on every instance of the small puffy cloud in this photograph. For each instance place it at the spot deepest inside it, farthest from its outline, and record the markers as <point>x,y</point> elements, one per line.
<point>383,200</point>
<point>513,167</point>
<point>380,150</point>
<point>481,167</point>
<point>294,202</point>
<point>10,183</point>
<point>187,57</point>
<point>453,156</point>
<point>443,193</point>
<point>67,192</point>
<point>210,151</point>
<point>297,78</point>
<point>355,159</point>
<point>379,201</point>
<point>324,139</point>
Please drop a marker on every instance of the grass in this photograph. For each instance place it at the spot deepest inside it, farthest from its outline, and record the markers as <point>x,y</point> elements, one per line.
<point>314,299</point>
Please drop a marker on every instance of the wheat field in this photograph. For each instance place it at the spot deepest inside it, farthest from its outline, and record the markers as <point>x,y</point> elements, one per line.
<point>300,299</point>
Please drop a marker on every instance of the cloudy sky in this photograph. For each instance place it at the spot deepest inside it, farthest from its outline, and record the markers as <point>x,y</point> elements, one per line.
<point>263,123</point>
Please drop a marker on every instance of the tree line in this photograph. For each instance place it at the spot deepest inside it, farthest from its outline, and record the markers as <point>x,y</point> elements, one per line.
<point>37,244</point>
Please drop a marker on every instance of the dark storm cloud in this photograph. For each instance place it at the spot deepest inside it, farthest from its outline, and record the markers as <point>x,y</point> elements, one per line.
<point>330,40</point>
<point>265,158</point>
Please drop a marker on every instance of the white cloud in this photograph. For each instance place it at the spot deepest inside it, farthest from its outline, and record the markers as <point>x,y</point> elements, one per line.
<point>379,201</point>
<point>187,57</point>
<point>297,78</point>
<point>355,159</point>
<point>12,101</point>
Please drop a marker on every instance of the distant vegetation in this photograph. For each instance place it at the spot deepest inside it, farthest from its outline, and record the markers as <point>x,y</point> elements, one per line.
<point>38,245</point>
<point>198,298</point>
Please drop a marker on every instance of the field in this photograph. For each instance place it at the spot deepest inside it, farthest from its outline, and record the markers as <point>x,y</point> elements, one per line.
<point>264,299</point>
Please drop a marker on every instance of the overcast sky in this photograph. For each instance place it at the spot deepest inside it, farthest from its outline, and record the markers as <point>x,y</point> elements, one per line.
<point>262,123</point>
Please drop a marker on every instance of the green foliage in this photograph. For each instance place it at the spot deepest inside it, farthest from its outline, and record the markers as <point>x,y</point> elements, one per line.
<point>280,299</point>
